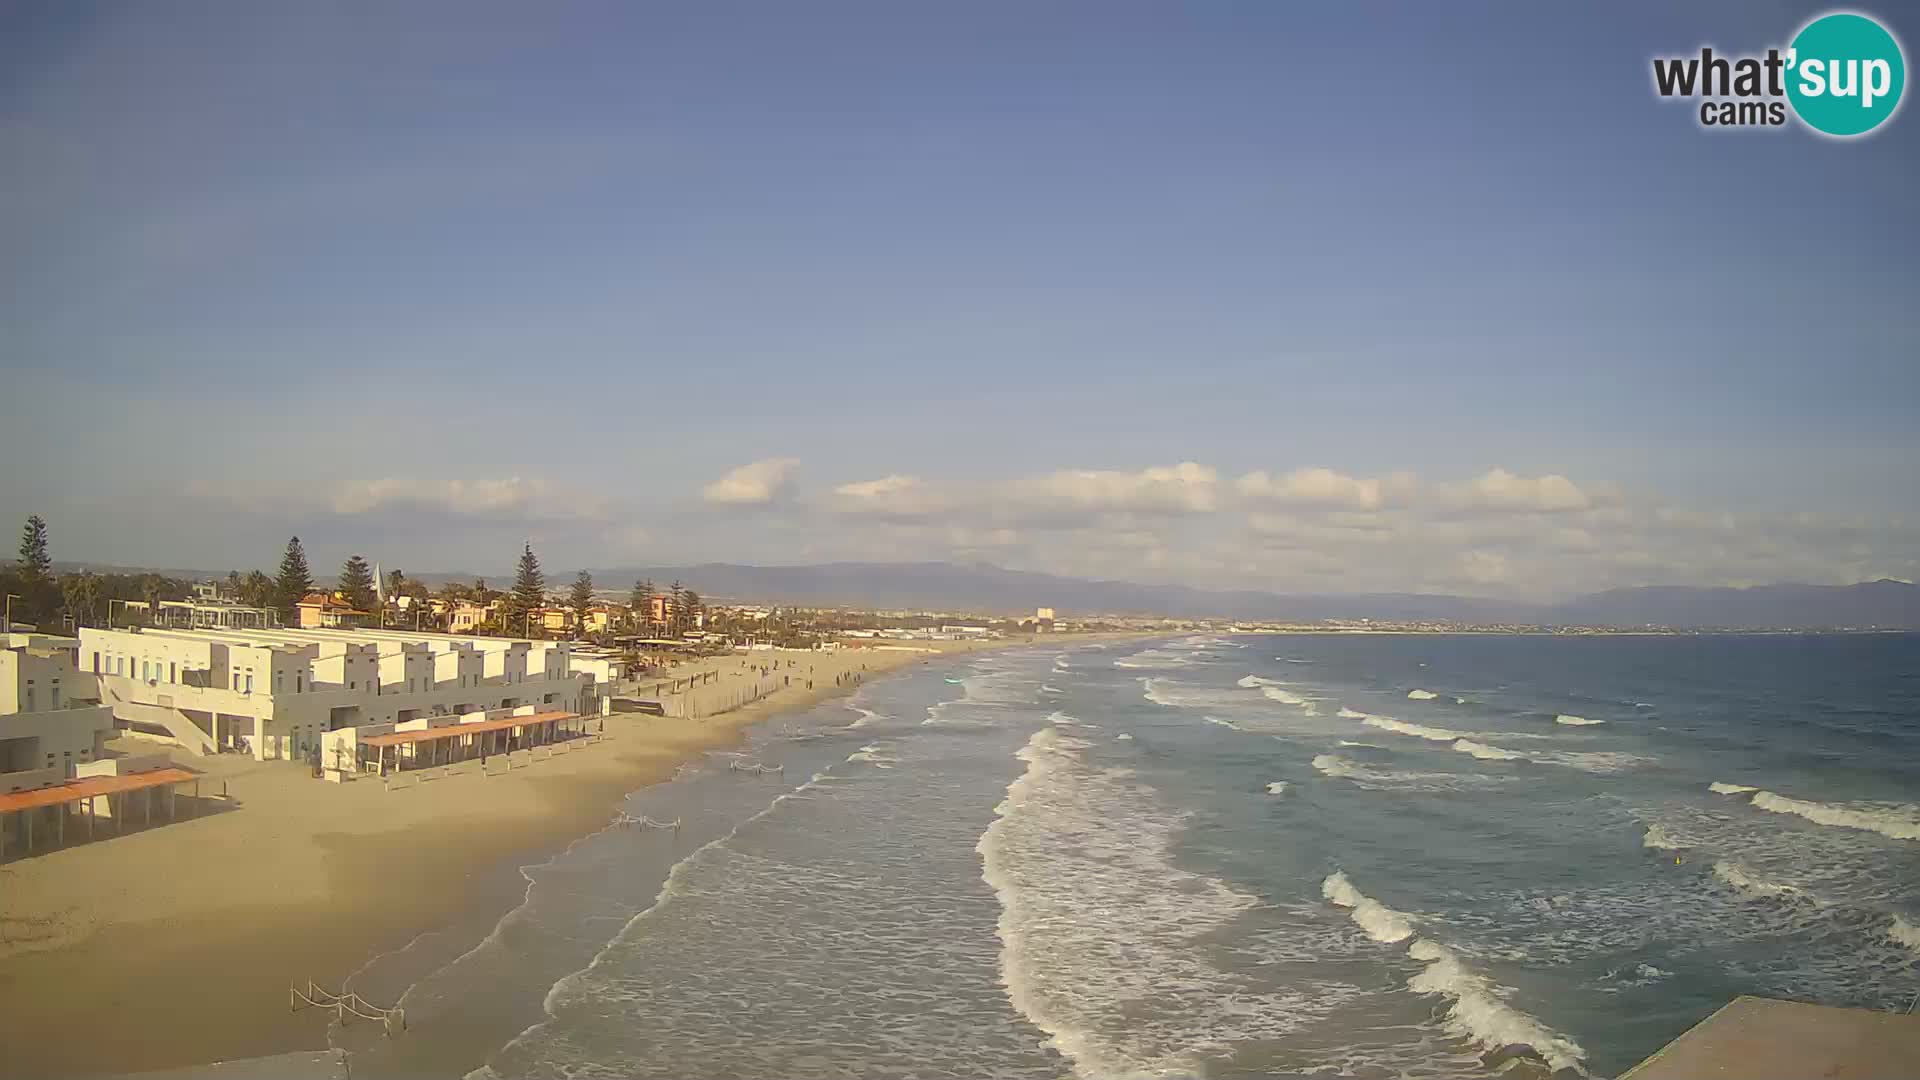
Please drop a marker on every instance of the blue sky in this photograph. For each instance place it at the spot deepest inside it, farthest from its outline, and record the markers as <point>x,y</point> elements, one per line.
<point>426,280</point>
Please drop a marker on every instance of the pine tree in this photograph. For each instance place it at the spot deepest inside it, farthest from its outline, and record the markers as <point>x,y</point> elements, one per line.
<point>529,591</point>
<point>34,573</point>
<point>643,601</point>
<point>692,617</point>
<point>580,597</point>
<point>396,581</point>
<point>36,566</point>
<point>356,582</point>
<point>295,580</point>
<point>676,607</point>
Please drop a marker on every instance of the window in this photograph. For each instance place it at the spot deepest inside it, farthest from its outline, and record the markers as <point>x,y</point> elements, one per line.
<point>249,682</point>
<point>298,679</point>
<point>96,661</point>
<point>56,697</point>
<point>29,707</point>
<point>173,672</point>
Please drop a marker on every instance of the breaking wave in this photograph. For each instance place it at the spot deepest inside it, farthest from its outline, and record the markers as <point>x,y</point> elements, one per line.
<point>1418,731</point>
<point>1251,681</point>
<point>1480,1014</point>
<point>1719,788</point>
<point>1576,721</point>
<point>1897,821</point>
<point>1478,1011</point>
<point>1487,753</point>
<point>1278,787</point>
<point>1422,695</point>
<point>1079,973</point>
<point>1382,923</point>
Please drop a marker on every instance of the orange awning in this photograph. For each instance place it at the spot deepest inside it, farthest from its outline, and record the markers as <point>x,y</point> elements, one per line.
<point>90,786</point>
<point>452,731</point>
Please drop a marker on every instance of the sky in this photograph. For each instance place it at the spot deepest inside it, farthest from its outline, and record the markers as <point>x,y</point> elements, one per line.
<point>1329,298</point>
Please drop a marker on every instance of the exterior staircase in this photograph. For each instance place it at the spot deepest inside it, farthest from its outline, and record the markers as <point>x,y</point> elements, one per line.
<point>177,723</point>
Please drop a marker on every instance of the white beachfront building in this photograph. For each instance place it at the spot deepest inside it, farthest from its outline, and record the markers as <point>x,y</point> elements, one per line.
<point>275,692</point>
<point>51,724</point>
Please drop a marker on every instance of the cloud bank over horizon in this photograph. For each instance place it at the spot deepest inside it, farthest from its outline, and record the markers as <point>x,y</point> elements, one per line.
<point>1312,528</point>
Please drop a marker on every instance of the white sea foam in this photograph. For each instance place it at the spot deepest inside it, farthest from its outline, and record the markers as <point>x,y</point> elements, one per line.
<point>1334,765</point>
<point>1748,882</point>
<point>1896,820</point>
<point>1075,966</point>
<point>1221,721</point>
<point>1422,695</point>
<point>1905,933</point>
<point>1045,689</point>
<point>1123,737</point>
<point>1480,1013</point>
<point>1058,717</point>
<point>867,716</point>
<point>1293,660</point>
<point>1658,837</point>
<point>1366,745</point>
<point>1376,779</point>
<point>1487,753</point>
<point>1418,731</point>
<point>1644,705</point>
<point>1251,681</point>
<point>1178,695</point>
<point>1381,922</point>
<point>1576,721</point>
<point>874,754</point>
<point>1719,788</point>
<point>1154,658</point>
<point>1285,697</point>
<point>1459,701</point>
<point>1350,714</point>
<point>1278,787</point>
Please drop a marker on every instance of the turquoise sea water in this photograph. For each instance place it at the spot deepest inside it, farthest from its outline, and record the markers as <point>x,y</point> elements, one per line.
<point>1245,856</point>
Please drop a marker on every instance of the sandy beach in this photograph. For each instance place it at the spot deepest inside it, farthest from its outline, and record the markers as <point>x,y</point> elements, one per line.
<point>180,939</point>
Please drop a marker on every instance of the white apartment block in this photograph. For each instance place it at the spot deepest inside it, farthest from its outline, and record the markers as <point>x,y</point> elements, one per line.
<point>275,692</point>
<point>51,724</point>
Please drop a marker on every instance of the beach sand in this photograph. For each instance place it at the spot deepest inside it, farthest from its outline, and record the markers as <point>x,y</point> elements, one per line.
<point>175,944</point>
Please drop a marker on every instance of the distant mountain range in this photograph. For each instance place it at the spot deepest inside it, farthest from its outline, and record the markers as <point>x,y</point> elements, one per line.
<point>984,588</point>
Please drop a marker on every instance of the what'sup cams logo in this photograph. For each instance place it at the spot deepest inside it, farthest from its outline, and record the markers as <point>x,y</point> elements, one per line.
<point>1842,76</point>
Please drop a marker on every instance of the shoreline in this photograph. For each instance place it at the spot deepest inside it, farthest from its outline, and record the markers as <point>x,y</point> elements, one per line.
<point>300,879</point>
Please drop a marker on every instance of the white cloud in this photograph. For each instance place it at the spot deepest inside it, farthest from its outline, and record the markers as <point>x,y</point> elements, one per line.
<point>752,484</point>
<point>1316,486</point>
<point>1499,489</point>
<point>1186,488</point>
<point>505,495</point>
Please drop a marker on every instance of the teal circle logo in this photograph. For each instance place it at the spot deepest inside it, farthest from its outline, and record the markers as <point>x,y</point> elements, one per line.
<point>1845,73</point>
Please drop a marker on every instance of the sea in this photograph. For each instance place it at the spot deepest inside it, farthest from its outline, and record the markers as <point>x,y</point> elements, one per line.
<point>1364,855</point>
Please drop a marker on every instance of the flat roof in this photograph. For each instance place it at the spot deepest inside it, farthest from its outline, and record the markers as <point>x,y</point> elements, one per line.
<point>90,786</point>
<point>405,738</point>
<point>1753,1036</point>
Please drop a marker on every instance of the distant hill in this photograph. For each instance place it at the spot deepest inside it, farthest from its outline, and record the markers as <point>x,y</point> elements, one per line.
<point>1885,604</point>
<point>986,588</point>
<point>980,587</point>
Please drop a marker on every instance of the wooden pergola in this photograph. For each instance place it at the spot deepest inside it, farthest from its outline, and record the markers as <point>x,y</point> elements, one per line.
<point>84,791</point>
<point>461,742</point>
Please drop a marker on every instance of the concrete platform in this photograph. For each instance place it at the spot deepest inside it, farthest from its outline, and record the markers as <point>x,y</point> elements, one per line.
<point>1754,1037</point>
